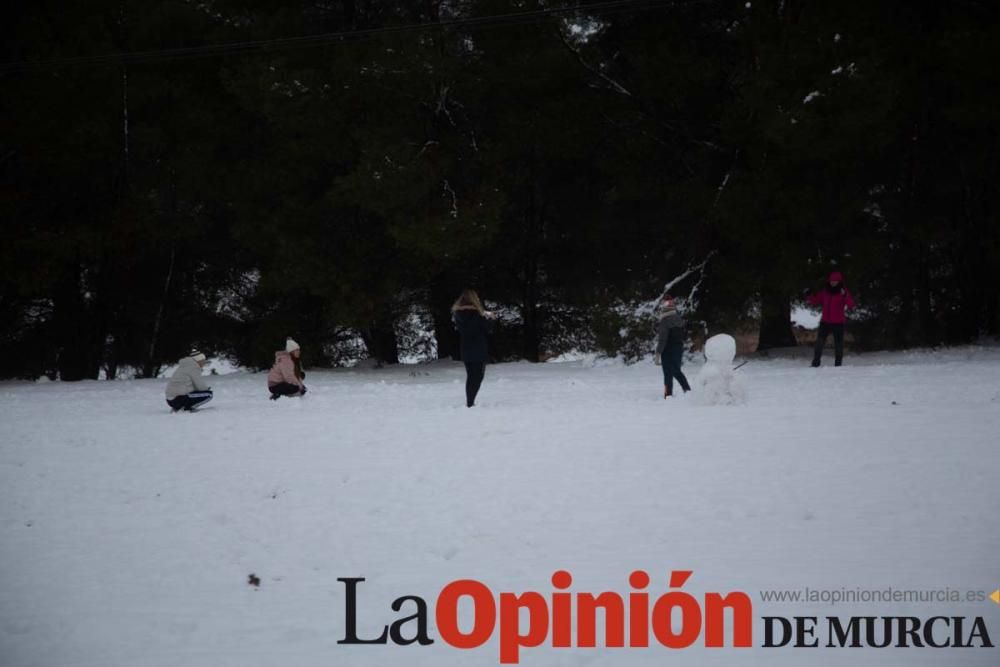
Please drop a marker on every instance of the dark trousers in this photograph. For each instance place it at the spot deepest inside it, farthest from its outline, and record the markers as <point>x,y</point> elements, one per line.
<point>190,401</point>
<point>474,373</point>
<point>671,360</point>
<point>285,389</point>
<point>825,330</point>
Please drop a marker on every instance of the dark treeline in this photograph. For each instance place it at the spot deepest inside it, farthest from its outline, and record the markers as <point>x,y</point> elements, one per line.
<point>563,166</point>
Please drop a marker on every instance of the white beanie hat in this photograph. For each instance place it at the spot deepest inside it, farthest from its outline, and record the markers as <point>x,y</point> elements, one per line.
<point>197,355</point>
<point>290,345</point>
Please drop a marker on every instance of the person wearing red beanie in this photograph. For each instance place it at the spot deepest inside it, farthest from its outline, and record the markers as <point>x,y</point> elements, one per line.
<point>835,298</point>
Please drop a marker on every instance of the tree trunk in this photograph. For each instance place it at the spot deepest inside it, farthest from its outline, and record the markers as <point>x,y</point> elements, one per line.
<point>151,362</point>
<point>775,320</point>
<point>928,329</point>
<point>531,336</point>
<point>380,339</point>
<point>442,294</point>
<point>74,329</point>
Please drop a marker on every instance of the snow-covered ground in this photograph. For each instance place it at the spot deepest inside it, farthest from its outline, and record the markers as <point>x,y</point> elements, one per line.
<point>127,533</point>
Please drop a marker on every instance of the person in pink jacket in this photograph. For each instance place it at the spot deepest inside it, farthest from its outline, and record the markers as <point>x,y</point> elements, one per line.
<point>835,298</point>
<point>286,375</point>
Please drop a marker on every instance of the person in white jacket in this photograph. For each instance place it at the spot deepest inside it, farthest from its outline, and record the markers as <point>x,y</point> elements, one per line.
<point>187,389</point>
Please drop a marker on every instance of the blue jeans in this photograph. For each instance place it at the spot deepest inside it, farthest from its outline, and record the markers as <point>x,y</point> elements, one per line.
<point>671,360</point>
<point>190,401</point>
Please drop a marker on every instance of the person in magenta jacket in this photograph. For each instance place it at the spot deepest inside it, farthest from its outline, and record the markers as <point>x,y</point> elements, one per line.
<point>835,298</point>
<point>286,375</point>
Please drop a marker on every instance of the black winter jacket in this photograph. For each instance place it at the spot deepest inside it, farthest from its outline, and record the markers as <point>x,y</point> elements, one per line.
<point>670,332</point>
<point>473,329</point>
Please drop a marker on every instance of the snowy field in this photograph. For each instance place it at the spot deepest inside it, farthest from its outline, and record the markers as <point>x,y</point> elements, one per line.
<point>127,533</point>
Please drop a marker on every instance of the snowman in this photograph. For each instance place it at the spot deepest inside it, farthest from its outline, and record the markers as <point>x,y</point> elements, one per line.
<point>716,383</point>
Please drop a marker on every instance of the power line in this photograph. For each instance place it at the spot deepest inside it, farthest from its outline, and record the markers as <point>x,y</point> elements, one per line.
<point>286,43</point>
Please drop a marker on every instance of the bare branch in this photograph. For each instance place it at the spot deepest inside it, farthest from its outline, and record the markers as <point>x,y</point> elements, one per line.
<point>614,85</point>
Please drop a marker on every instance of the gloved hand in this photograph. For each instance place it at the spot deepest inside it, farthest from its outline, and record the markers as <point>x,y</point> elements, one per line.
<point>656,360</point>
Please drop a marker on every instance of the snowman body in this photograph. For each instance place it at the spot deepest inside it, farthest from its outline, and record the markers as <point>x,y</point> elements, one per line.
<point>716,382</point>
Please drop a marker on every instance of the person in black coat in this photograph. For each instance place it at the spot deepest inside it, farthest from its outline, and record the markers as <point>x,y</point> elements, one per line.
<point>670,336</point>
<point>473,324</point>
